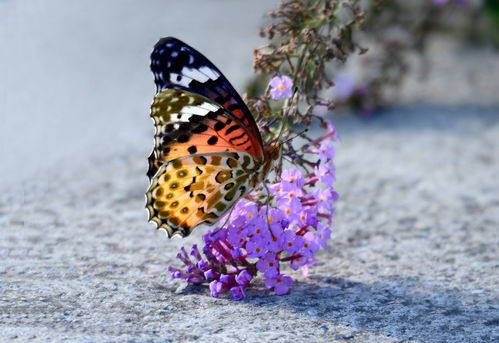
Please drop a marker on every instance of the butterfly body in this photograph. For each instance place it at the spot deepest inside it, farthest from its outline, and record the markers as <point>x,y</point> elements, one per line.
<point>208,152</point>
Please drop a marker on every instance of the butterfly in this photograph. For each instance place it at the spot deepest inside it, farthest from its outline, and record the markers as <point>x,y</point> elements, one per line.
<point>208,152</point>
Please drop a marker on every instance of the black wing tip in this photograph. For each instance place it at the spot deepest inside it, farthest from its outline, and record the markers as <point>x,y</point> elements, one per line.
<point>170,39</point>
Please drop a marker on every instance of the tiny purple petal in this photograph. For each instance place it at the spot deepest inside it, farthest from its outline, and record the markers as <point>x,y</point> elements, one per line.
<point>238,293</point>
<point>210,274</point>
<point>268,265</point>
<point>216,287</point>
<point>280,282</point>
<point>244,278</point>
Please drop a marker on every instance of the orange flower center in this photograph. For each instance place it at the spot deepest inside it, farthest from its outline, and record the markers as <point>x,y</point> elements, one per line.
<point>282,87</point>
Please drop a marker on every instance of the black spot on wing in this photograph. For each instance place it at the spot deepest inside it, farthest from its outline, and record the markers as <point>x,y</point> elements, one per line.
<point>212,140</point>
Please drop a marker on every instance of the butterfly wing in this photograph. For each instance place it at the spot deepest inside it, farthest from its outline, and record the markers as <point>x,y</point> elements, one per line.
<point>191,190</point>
<point>176,65</point>
<point>188,123</point>
<point>208,151</point>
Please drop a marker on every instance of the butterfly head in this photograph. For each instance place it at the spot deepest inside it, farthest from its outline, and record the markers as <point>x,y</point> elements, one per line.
<point>274,152</point>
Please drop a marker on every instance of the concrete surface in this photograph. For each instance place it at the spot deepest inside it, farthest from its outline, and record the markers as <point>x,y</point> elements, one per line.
<point>413,258</point>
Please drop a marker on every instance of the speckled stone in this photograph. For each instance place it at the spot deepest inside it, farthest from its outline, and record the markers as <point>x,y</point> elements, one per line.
<point>413,257</point>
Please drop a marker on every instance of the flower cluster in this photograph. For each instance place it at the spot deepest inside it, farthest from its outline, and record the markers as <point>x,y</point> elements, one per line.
<point>291,226</point>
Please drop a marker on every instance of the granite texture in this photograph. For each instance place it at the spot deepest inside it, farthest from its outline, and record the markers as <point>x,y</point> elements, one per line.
<point>413,257</point>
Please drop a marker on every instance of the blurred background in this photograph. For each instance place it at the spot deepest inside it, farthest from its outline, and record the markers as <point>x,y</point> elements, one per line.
<point>76,80</point>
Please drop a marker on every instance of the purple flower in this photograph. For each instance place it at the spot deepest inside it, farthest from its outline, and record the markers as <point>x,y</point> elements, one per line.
<point>440,2</point>
<point>268,265</point>
<point>308,217</point>
<point>292,179</point>
<point>325,198</point>
<point>293,193</point>
<point>237,237</point>
<point>210,274</point>
<point>235,253</point>
<point>256,246</point>
<point>275,243</point>
<point>249,211</point>
<point>281,87</point>
<point>323,234</point>
<point>244,278</point>
<point>298,262</point>
<point>274,217</point>
<point>176,274</point>
<point>326,150</point>
<point>291,242</point>
<point>325,173</point>
<point>291,208</point>
<point>238,293</point>
<point>216,287</point>
<point>331,130</point>
<point>203,265</point>
<point>276,189</point>
<point>227,280</point>
<point>292,227</point>
<point>310,245</point>
<point>259,228</point>
<point>280,282</point>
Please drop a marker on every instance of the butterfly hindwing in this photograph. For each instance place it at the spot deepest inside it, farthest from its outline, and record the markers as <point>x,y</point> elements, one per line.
<point>188,124</point>
<point>176,65</point>
<point>196,189</point>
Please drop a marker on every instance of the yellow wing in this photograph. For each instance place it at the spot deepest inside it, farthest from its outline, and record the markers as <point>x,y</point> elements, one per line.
<point>200,188</point>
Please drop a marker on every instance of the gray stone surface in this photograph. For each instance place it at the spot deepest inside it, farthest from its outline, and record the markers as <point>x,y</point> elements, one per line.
<point>414,256</point>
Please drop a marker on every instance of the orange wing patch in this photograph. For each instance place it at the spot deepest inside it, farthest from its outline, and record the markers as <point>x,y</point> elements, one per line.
<point>188,124</point>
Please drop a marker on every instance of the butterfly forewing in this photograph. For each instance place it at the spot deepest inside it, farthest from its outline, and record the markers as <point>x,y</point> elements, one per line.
<point>177,65</point>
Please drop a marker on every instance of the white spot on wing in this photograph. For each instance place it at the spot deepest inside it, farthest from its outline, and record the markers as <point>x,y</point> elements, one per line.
<point>184,81</point>
<point>194,74</point>
<point>212,74</point>
<point>195,110</point>
<point>209,107</point>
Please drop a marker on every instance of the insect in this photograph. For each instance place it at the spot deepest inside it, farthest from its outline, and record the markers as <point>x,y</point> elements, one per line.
<point>208,152</point>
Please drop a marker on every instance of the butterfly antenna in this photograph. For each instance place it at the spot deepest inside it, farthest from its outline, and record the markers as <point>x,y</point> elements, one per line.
<point>286,113</point>
<point>297,135</point>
